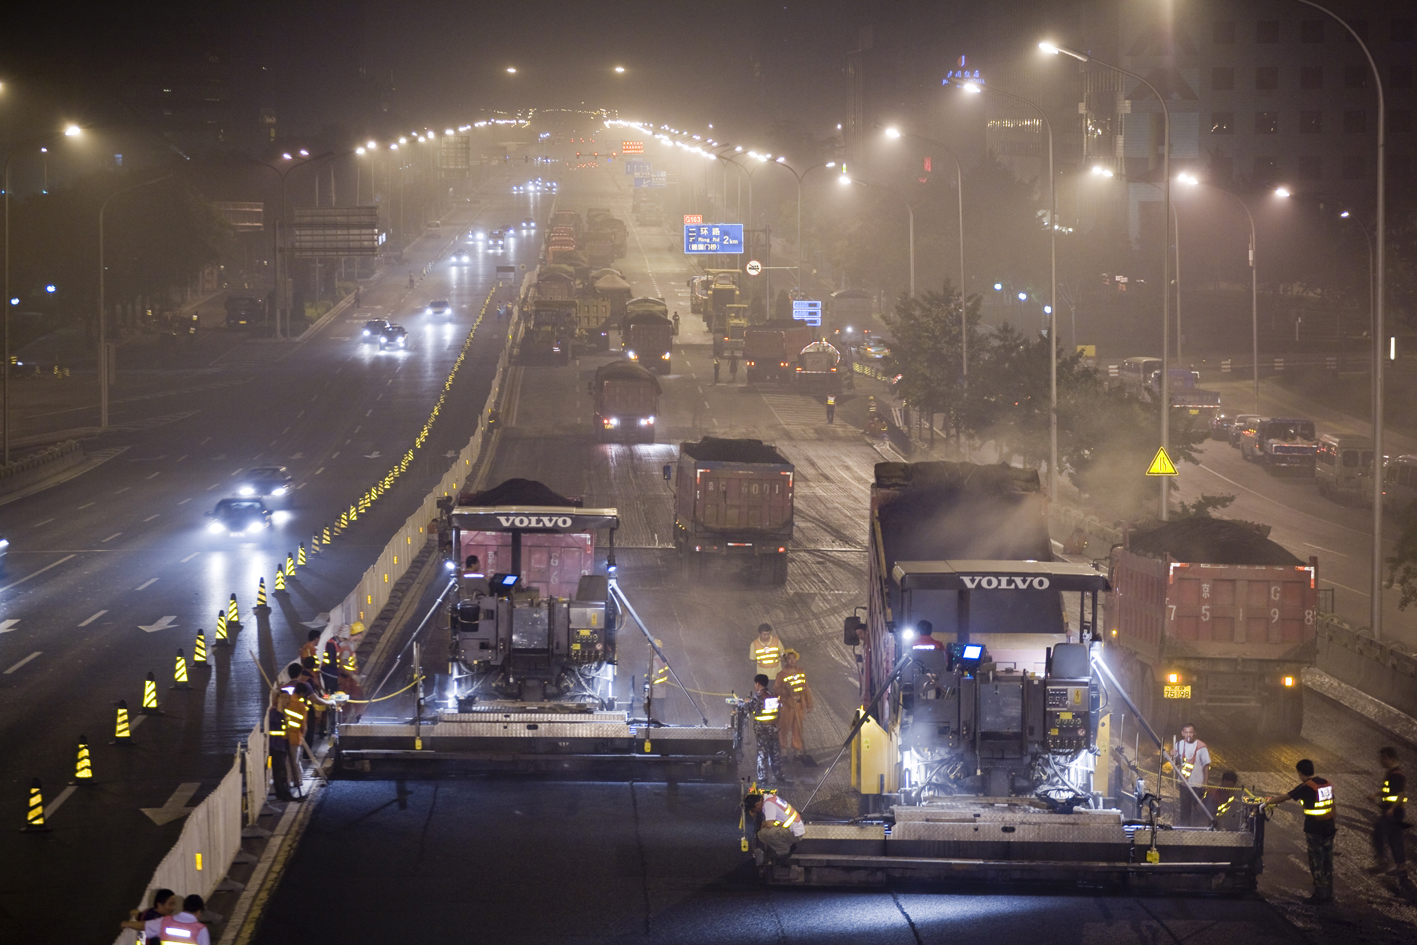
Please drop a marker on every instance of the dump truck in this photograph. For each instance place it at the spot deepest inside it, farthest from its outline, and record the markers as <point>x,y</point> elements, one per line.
<point>1210,614</point>
<point>729,325</point>
<point>600,247</point>
<point>1287,444</point>
<point>770,350</point>
<point>567,218</point>
<point>626,402</point>
<point>648,334</point>
<point>732,508</point>
<point>594,323</point>
<point>551,333</point>
<point>974,751</point>
<point>849,309</point>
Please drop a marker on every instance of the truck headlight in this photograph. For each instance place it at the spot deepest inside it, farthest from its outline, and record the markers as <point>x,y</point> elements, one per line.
<point>612,421</point>
<point>632,356</point>
<point>664,356</point>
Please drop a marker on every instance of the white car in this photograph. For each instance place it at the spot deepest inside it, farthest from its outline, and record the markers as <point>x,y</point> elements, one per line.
<point>874,349</point>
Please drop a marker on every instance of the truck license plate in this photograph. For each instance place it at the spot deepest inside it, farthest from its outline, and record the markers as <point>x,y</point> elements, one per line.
<point>1176,692</point>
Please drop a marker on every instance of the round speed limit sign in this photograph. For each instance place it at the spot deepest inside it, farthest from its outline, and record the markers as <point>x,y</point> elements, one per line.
<point>754,267</point>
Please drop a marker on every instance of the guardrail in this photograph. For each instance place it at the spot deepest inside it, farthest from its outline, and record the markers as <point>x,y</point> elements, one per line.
<point>211,838</point>
<point>41,465</point>
<point>1385,671</point>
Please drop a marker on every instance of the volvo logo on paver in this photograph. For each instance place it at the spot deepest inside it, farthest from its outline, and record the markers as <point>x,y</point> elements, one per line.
<point>535,521</point>
<point>1004,582</point>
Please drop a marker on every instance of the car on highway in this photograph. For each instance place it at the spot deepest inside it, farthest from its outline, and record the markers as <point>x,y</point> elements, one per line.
<point>528,224</point>
<point>439,307</point>
<point>4,550</point>
<point>1237,429</point>
<point>459,256</point>
<point>1220,425</point>
<point>476,236</point>
<point>264,480</point>
<point>372,329</point>
<point>394,337</point>
<point>239,517</point>
<point>495,241</point>
<point>874,350</point>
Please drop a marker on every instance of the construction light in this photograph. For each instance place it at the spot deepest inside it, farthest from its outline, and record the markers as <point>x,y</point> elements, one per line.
<point>1173,678</point>
<point>1288,682</point>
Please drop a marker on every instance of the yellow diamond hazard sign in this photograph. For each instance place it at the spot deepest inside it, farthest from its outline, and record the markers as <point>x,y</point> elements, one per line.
<point>1161,465</point>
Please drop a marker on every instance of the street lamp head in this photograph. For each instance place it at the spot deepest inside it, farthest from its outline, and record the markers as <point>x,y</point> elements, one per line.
<point>1054,49</point>
<point>304,153</point>
<point>1282,192</point>
<point>286,155</point>
<point>372,145</point>
<point>511,70</point>
<point>1189,180</point>
<point>1023,296</point>
<point>403,140</point>
<point>1101,171</point>
<point>972,88</point>
<point>73,131</point>
<point>831,164</point>
<point>1344,215</point>
<point>447,131</point>
<point>843,179</point>
<point>738,148</point>
<point>621,70</point>
<point>892,132</point>
<point>358,150</point>
<point>781,159</point>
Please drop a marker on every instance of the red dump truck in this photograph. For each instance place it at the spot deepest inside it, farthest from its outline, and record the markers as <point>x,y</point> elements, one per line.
<point>770,350</point>
<point>626,401</point>
<point>733,508</point>
<point>1210,614</point>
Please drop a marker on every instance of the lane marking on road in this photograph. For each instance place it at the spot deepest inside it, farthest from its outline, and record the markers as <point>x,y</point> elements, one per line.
<point>358,428</point>
<point>110,538</point>
<point>164,623</point>
<point>282,433</point>
<point>156,474</point>
<point>212,486</point>
<point>7,626</point>
<point>369,411</point>
<point>121,491</point>
<point>332,456</point>
<point>55,804</point>
<point>38,573</point>
<point>84,506</point>
<point>1288,508</point>
<point>205,442</point>
<point>318,471</point>
<point>299,415</point>
<point>1325,550</point>
<point>299,487</point>
<point>45,522</point>
<point>22,663</point>
<point>151,517</point>
<point>273,443</point>
<point>180,458</point>
<point>185,501</point>
<point>146,584</point>
<point>190,557</point>
<point>1355,590</point>
<point>93,618</point>
<point>238,470</point>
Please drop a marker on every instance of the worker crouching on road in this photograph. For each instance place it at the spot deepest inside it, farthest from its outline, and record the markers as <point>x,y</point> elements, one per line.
<point>776,823</point>
<point>1320,825</point>
<point>796,701</point>
<point>764,707</point>
<point>766,651</point>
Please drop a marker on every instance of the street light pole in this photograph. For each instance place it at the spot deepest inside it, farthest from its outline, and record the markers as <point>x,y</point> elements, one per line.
<point>976,89</point>
<point>1375,615</point>
<point>1055,49</point>
<point>908,209</point>
<point>103,378</point>
<point>69,132</point>
<point>1254,282</point>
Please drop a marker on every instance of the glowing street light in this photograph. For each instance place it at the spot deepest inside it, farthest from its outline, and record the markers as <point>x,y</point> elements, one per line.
<point>621,70</point>
<point>1282,192</point>
<point>1101,171</point>
<point>511,70</point>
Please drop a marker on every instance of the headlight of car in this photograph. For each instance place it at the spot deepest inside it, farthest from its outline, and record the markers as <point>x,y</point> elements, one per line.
<point>279,490</point>
<point>216,528</point>
<point>401,341</point>
<point>246,490</point>
<point>631,355</point>
<point>255,527</point>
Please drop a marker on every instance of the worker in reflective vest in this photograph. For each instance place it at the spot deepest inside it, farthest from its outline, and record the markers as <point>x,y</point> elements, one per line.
<point>1223,802</point>
<point>796,701</point>
<point>279,745</point>
<point>776,823</point>
<point>1316,796</point>
<point>1392,818</point>
<point>764,707</point>
<point>1192,761</point>
<point>766,651</point>
<point>184,927</point>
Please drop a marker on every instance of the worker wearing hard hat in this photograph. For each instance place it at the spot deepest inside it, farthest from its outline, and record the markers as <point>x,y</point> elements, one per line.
<point>766,651</point>
<point>796,701</point>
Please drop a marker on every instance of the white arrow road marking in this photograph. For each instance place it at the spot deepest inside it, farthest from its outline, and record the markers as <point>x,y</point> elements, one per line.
<point>53,805</point>
<point>36,573</point>
<point>93,618</point>
<point>22,662</point>
<point>298,456</point>
<point>8,625</point>
<point>176,805</point>
<point>373,455</point>
<point>165,623</point>
<point>450,454</point>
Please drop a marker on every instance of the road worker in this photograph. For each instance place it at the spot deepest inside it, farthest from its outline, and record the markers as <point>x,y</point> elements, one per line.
<point>796,701</point>
<point>1392,817</point>
<point>1223,802</point>
<point>279,745</point>
<point>311,648</point>
<point>831,408</point>
<point>765,651</point>
<point>184,926</point>
<point>1192,760</point>
<point>764,707</point>
<point>296,713</point>
<point>776,823</point>
<point>1315,794</point>
<point>925,637</point>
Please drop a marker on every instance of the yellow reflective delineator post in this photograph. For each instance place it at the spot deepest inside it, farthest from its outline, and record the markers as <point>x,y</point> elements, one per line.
<point>1161,464</point>
<point>179,672</point>
<point>233,615</point>
<point>280,580</point>
<point>326,539</point>
<point>122,733</point>
<point>199,649</point>
<point>34,817</point>
<point>150,696</point>
<point>83,765</point>
<point>261,592</point>
<point>221,637</point>
<point>289,564</point>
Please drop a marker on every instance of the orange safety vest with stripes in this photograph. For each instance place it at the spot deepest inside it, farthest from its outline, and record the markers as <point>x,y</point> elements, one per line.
<point>175,931</point>
<point>1322,806</point>
<point>779,813</point>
